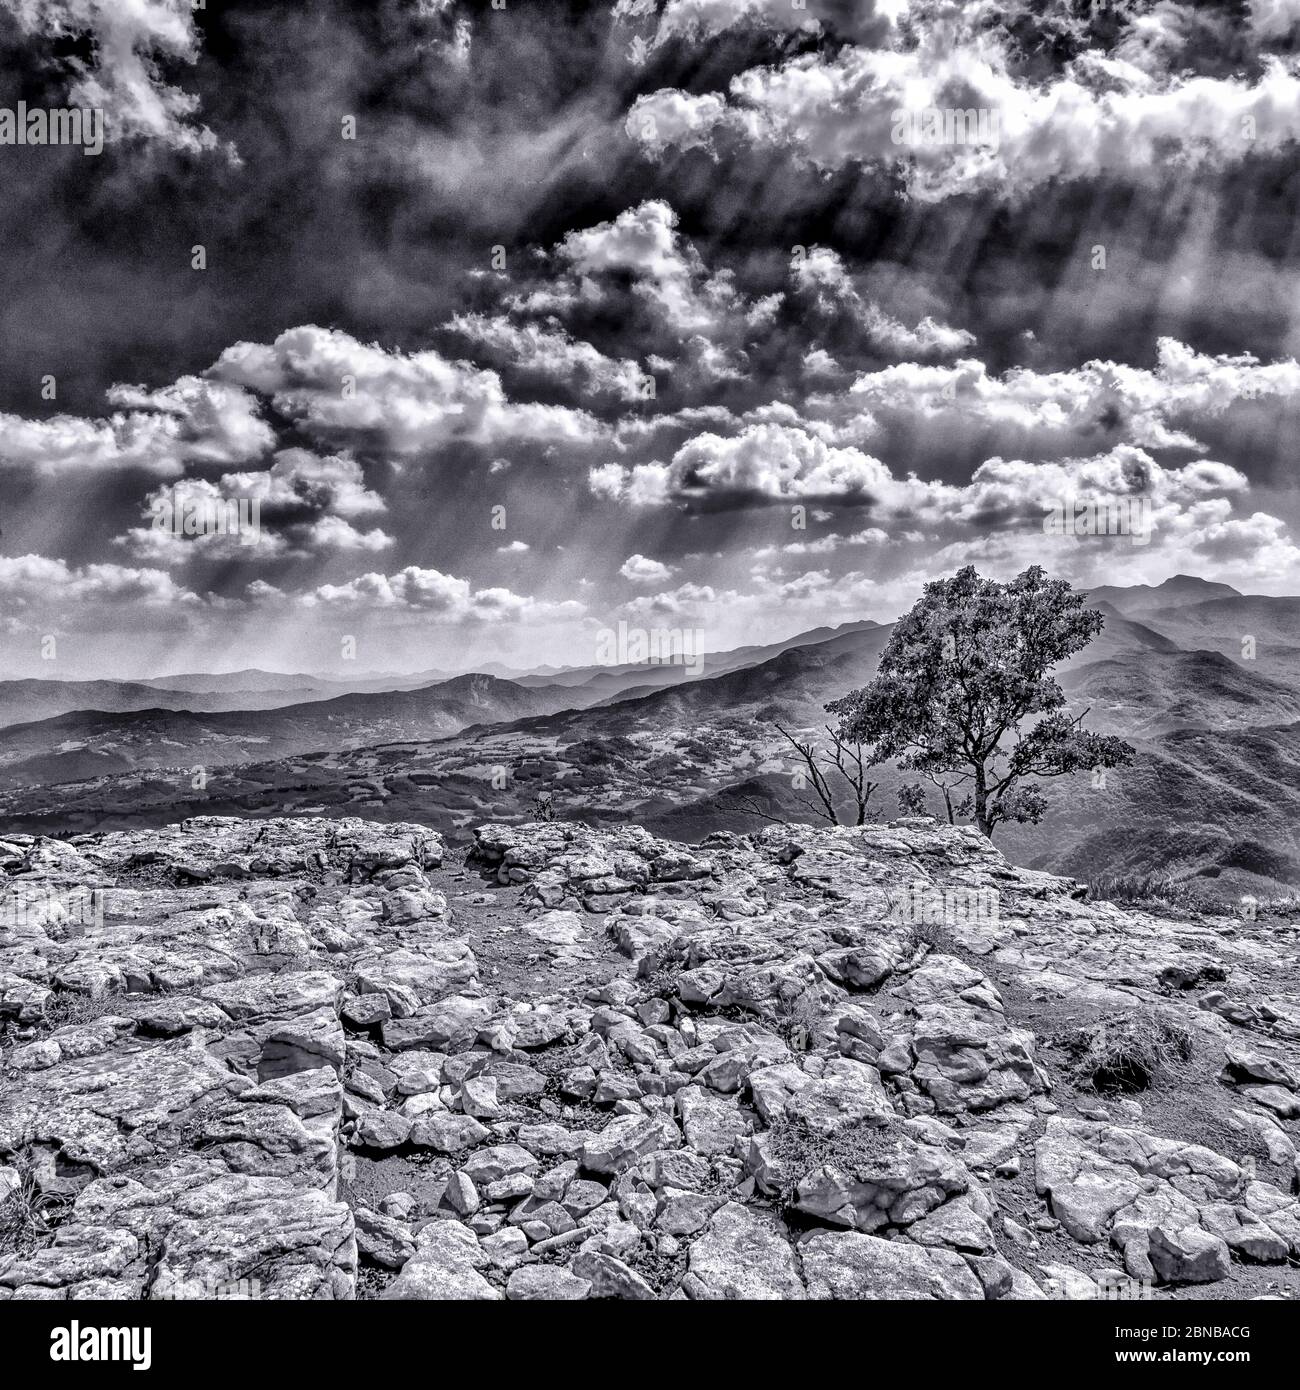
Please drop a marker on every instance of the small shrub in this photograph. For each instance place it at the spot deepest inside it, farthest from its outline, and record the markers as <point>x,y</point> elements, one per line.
<point>798,1023</point>
<point>1129,1051</point>
<point>62,1009</point>
<point>934,935</point>
<point>28,1216</point>
<point>65,1009</point>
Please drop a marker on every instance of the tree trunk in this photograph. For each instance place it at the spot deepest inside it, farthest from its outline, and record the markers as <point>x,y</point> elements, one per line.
<point>982,803</point>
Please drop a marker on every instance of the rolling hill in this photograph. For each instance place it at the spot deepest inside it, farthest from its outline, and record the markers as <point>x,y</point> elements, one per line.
<point>1141,694</point>
<point>91,743</point>
<point>25,701</point>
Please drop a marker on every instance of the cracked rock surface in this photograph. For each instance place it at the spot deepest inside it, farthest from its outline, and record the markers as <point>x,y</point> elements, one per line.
<point>308,1058</point>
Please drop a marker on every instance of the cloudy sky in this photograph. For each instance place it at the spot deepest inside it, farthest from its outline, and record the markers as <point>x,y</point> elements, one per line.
<point>521,321</point>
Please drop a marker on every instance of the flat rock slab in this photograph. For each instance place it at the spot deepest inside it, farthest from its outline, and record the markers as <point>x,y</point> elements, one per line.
<point>854,1266</point>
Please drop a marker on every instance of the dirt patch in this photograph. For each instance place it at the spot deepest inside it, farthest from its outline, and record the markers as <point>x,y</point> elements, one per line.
<point>423,1175</point>
<point>512,960</point>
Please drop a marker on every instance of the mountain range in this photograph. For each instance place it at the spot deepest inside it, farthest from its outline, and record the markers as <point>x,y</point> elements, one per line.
<point>1213,795</point>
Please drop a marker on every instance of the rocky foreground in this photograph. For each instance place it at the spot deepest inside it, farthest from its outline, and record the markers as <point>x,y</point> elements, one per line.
<point>316,1059</point>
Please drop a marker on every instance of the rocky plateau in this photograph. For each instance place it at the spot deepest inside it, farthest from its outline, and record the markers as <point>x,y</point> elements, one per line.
<point>327,1059</point>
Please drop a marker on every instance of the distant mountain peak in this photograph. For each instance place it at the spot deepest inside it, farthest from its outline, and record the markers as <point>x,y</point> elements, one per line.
<point>1190,583</point>
<point>1179,590</point>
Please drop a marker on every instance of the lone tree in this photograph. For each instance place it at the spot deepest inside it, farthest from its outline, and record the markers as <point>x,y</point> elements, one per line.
<point>965,697</point>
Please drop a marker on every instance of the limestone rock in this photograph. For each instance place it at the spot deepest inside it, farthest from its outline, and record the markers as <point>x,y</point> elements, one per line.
<point>444,1265</point>
<point>548,1283</point>
<point>741,1255</point>
<point>288,1047</point>
<point>855,1266</point>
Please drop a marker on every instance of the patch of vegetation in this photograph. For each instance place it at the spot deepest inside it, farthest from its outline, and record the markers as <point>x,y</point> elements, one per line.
<point>1151,890</point>
<point>691,747</point>
<point>28,1216</point>
<point>664,767</point>
<point>662,984</point>
<point>794,1150</point>
<point>1282,909</point>
<point>662,1272</point>
<point>150,874</point>
<point>617,751</point>
<point>934,935</point>
<point>372,1281</point>
<point>64,1008</point>
<point>1129,1051</point>
<point>797,1024</point>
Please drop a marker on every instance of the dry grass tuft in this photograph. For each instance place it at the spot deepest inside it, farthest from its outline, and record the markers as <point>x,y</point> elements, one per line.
<point>28,1216</point>
<point>1129,1051</point>
<point>794,1150</point>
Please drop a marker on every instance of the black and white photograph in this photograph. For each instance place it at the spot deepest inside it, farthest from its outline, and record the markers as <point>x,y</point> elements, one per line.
<point>650,652</point>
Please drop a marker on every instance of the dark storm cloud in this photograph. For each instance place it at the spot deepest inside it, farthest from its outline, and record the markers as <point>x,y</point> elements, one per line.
<point>512,137</point>
<point>650,352</point>
<point>305,226</point>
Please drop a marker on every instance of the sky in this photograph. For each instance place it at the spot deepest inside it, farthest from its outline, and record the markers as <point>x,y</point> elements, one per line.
<point>521,321</point>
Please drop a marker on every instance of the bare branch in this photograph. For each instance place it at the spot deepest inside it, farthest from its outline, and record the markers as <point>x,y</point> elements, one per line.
<point>751,806</point>
<point>849,765</point>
